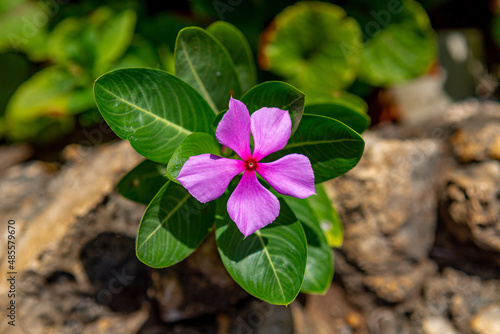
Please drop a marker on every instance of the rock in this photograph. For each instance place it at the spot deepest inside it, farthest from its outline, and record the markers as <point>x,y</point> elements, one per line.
<point>487,320</point>
<point>258,317</point>
<point>395,288</point>
<point>328,314</point>
<point>387,205</point>
<point>437,325</point>
<point>13,154</point>
<point>478,139</point>
<point>457,296</point>
<point>470,204</point>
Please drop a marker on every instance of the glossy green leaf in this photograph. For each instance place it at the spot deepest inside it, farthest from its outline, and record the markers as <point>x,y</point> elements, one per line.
<point>173,225</point>
<point>239,49</point>
<point>332,147</point>
<point>202,62</point>
<point>319,269</point>
<point>308,44</point>
<point>152,109</point>
<point>279,95</point>
<point>143,182</point>
<point>269,264</point>
<point>194,144</point>
<point>325,213</point>
<point>357,121</point>
<point>403,50</point>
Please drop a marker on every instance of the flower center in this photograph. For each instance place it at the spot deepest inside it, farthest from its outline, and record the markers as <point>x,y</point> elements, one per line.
<point>251,164</point>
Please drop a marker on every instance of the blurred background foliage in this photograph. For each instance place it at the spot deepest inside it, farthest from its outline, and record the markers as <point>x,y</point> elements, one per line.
<point>337,52</point>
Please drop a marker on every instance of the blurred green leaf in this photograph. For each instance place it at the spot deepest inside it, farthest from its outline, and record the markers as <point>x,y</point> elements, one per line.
<point>14,70</point>
<point>167,59</point>
<point>114,38</point>
<point>269,264</point>
<point>72,40</point>
<point>5,5</point>
<point>22,28</point>
<point>56,91</point>
<point>239,50</point>
<point>403,50</point>
<point>172,227</point>
<point>169,23</point>
<point>141,53</point>
<point>319,269</point>
<point>496,29</point>
<point>143,182</point>
<point>310,44</point>
<point>202,62</point>
<point>359,122</point>
<point>96,41</point>
<point>194,144</point>
<point>325,213</point>
<point>332,147</point>
<point>152,109</point>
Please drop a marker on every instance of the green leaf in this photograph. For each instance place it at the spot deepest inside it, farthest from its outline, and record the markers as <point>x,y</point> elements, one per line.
<point>325,213</point>
<point>194,144</point>
<point>152,109</point>
<point>239,49</point>
<point>114,38</point>
<point>55,91</point>
<point>332,147</point>
<point>73,40</point>
<point>205,64</point>
<point>357,121</point>
<point>310,44</point>
<point>173,225</point>
<point>143,182</point>
<point>96,41</point>
<point>279,95</point>
<point>140,53</point>
<point>404,50</point>
<point>269,264</point>
<point>20,31</point>
<point>15,69</point>
<point>319,269</point>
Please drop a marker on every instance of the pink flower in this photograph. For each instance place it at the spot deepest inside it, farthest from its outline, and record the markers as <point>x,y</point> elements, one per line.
<point>251,206</point>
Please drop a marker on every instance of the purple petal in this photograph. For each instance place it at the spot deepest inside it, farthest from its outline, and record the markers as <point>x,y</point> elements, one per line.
<point>291,175</point>
<point>251,206</point>
<point>233,130</point>
<point>207,176</point>
<point>271,129</point>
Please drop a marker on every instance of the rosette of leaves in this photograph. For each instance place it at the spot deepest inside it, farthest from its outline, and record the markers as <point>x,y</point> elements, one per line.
<point>309,44</point>
<point>168,118</point>
<point>318,48</point>
<point>401,44</point>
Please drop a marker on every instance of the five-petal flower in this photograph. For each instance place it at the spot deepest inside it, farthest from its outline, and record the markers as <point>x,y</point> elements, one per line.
<point>251,206</point>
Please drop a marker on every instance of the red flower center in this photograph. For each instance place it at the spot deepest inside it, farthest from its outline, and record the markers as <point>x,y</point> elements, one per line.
<point>251,164</point>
